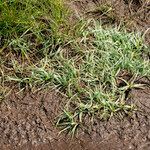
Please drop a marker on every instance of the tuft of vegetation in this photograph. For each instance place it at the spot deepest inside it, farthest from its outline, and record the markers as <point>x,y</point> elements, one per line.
<point>32,26</point>
<point>97,91</point>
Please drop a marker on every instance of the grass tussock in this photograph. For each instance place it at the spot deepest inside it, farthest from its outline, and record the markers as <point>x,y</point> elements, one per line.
<point>26,25</point>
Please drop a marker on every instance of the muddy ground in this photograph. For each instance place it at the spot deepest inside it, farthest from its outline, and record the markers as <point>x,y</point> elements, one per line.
<point>27,119</point>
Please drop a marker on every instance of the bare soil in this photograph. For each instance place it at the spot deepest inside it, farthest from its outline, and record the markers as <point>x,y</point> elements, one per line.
<point>27,123</point>
<point>27,119</point>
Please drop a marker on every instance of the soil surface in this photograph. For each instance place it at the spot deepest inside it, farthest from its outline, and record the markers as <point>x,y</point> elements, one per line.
<point>27,119</point>
<point>27,123</point>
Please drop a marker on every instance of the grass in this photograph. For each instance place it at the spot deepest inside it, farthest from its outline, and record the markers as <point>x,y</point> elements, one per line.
<point>97,93</point>
<point>84,63</point>
<point>18,16</point>
<point>26,25</point>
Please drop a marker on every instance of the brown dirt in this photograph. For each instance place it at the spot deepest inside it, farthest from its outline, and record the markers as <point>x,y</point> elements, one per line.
<point>27,123</point>
<point>27,119</point>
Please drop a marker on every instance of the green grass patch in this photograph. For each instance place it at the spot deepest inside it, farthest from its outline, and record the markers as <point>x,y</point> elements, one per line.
<point>32,26</point>
<point>90,79</point>
<point>94,90</point>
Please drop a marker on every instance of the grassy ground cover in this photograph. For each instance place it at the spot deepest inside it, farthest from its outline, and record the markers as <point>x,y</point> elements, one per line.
<point>92,66</point>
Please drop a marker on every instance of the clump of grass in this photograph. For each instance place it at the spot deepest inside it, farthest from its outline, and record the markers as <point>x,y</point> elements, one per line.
<point>32,26</point>
<point>108,53</point>
<point>30,30</point>
<point>17,16</point>
<point>90,79</point>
